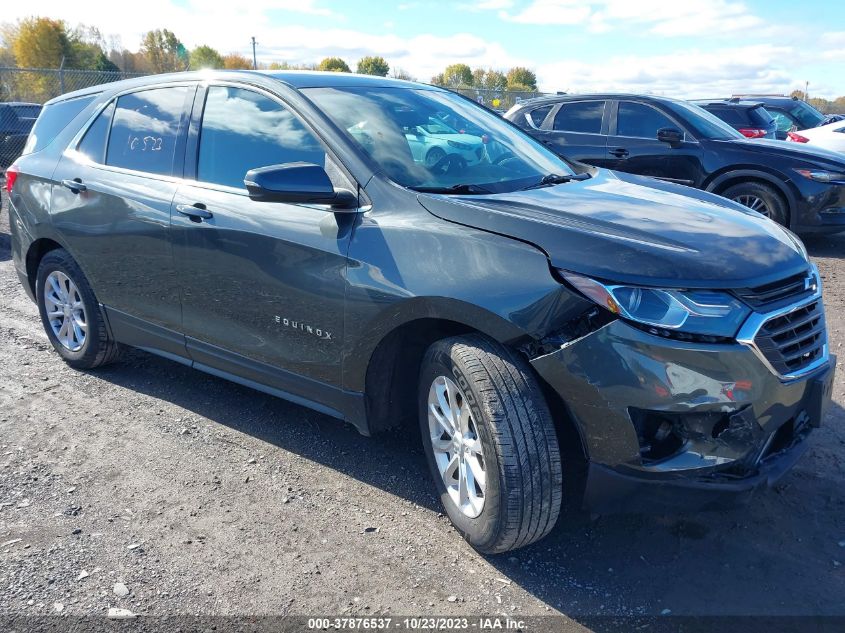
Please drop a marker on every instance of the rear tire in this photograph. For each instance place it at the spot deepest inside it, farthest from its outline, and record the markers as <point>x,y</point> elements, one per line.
<point>71,314</point>
<point>508,443</point>
<point>761,198</point>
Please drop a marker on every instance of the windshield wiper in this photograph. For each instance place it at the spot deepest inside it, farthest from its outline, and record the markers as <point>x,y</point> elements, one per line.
<point>556,179</point>
<point>461,188</point>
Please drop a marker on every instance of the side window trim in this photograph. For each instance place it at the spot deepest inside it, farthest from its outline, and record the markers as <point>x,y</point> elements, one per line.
<point>614,126</point>
<point>191,160</point>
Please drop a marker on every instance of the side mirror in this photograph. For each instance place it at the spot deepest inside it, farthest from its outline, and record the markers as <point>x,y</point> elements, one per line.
<point>296,182</point>
<point>670,135</point>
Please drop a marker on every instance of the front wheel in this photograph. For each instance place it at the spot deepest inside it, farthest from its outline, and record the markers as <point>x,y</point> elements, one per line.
<point>490,442</point>
<point>760,198</point>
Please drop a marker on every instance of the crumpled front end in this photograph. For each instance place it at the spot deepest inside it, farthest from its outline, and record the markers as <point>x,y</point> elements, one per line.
<point>678,425</point>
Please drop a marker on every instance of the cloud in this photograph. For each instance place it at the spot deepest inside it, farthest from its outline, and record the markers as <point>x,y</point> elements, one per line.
<point>658,17</point>
<point>687,73</point>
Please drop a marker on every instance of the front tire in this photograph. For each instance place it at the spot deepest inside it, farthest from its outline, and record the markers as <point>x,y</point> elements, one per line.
<point>760,198</point>
<point>490,442</point>
<point>71,314</point>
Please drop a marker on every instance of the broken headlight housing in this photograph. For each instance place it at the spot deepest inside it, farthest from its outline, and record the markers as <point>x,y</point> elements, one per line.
<point>700,312</point>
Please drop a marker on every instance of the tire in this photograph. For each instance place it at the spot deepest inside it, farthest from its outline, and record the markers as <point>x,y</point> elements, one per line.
<point>506,416</point>
<point>97,348</point>
<point>774,205</point>
<point>434,156</point>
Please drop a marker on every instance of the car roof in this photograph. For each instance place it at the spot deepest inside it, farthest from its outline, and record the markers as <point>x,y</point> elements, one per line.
<point>296,79</point>
<point>728,103</point>
<point>19,103</point>
<point>551,99</point>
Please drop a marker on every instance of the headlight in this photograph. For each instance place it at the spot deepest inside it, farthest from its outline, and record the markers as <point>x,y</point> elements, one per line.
<point>820,175</point>
<point>704,312</point>
<point>458,145</point>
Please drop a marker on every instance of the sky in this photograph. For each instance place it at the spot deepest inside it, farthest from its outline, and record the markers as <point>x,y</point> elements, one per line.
<point>683,48</point>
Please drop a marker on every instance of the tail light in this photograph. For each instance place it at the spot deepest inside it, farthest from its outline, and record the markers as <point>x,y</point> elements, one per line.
<point>752,132</point>
<point>797,138</point>
<point>11,177</point>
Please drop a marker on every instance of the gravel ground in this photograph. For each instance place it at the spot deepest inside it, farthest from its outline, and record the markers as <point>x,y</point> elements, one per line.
<point>155,488</point>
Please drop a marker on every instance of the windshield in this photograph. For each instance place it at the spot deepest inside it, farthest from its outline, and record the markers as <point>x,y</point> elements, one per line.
<point>806,115</point>
<point>435,139</point>
<point>705,124</point>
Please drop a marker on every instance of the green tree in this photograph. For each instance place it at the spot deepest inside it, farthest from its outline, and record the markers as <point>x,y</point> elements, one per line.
<point>519,78</point>
<point>457,75</point>
<point>163,50</point>
<point>335,64</point>
<point>236,61</point>
<point>373,66</point>
<point>205,57</point>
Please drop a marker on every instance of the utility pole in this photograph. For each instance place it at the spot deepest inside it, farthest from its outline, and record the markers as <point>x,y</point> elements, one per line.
<point>806,90</point>
<point>254,61</point>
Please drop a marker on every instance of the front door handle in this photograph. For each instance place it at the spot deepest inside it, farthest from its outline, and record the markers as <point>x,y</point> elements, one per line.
<point>619,152</point>
<point>196,212</point>
<point>74,185</point>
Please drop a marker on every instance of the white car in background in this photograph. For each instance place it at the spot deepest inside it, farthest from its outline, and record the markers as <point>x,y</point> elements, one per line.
<point>432,140</point>
<point>830,136</point>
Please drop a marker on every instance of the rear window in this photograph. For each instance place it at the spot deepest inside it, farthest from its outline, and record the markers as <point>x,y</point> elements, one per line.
<point>53,119</point>
<point>580,116</point>
<point>538,115</point>
<point>27,111</point>
<point>734,116</point>
<point>760,116</point>
<point>145,127</point>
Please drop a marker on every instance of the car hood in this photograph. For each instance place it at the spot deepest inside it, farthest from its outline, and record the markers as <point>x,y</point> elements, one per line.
<point>631,229</point>
<point>789,149</point>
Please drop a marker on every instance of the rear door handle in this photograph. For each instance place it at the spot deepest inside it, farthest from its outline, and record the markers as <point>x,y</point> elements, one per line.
<point>74,185</point>
<point>196,212</point>
<point>619,152</point>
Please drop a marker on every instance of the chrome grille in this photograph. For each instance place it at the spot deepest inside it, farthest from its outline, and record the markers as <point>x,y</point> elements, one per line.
<point>794,341</point>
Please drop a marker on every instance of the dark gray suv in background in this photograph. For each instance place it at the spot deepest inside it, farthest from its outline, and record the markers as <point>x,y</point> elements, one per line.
<point>298,233</point>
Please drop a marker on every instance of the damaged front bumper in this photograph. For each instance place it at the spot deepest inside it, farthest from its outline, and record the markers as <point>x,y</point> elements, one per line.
<point>680,426</point>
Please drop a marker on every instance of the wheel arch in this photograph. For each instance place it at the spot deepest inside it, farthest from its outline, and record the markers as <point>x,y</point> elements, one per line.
<point>721,181</point>
<point>385,363</point>
<point>34,254</point>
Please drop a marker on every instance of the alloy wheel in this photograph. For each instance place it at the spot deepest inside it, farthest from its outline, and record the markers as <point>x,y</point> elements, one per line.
<point>457,446</point>
<point>754,203</point>
<point>65,311</point>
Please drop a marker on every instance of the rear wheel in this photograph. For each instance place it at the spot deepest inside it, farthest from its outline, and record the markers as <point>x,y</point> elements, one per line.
<point>70,313</point>
<point>761,198</point>
<point>490,442</point>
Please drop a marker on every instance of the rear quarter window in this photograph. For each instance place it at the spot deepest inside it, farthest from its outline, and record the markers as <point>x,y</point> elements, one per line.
<point>53,119</point>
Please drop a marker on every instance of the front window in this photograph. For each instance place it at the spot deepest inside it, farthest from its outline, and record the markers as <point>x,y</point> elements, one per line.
<point>638,120</point>
<point>806,115</point>
<point>434,139</point>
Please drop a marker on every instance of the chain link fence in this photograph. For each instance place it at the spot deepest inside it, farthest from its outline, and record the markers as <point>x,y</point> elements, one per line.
<point>23,90</point>
<point>500,100</point>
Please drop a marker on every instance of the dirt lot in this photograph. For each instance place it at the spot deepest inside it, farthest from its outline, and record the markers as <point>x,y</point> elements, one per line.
<point>199,496</point>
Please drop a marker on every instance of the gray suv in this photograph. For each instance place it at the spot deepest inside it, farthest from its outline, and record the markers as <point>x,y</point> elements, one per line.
<point>308,235</point>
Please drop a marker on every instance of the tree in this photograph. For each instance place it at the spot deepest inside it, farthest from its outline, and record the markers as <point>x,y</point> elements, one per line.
<point>236,61</point>
<point>334,64</point>
<point>40,43</point>
<point>519,78</point>
<point>797,94</point>
<point>401,73</point>
<point>205,57</point>
<point>373,66</point>
<point>488,79</point>
<point>163,50</point>
<point>457,75</point>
